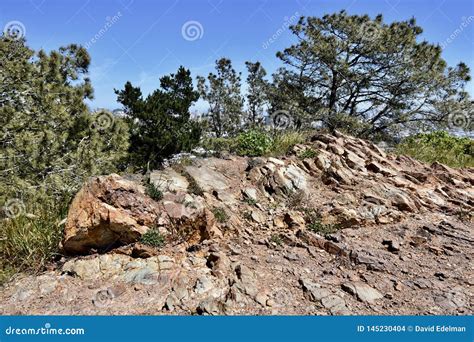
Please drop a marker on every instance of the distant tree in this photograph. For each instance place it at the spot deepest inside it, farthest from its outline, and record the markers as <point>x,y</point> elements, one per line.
<point>377,76</point>
<point>257,93</point>
<point>161,124</point>
<point>49,141</point>
<point>222,92</point>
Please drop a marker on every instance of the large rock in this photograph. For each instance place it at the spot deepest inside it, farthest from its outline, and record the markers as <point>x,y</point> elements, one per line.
<point>108,211</point>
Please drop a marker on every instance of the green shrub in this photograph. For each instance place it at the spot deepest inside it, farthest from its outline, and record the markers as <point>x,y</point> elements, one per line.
<point>440,147</point>
<point>219,145</point>
<point>152,191</point>
<point>283,142</point>
<point>153,238</point>
<point>253,143</point>
<point>308,153</point>
<point>220,214</point>
<point>314,223</point>
<point>276,239</point>
<point>29,242</point>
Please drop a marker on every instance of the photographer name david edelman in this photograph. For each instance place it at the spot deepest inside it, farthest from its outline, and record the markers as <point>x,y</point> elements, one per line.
<point>439,328</point>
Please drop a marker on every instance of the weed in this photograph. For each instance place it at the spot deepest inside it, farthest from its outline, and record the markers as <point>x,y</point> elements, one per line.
<point>308,153</point>
<point>152,191</point>
<point>153,238</point>
<point>276,239</point>
<point>220,214</point>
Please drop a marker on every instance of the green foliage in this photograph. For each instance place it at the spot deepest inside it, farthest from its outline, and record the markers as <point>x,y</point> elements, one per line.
<point>367,77</point>
<point>152,191</point>
<point>161,124</point>
<point>250,201</point>
<point>152,238</point>
<point>220,214</point>
<point>193,186</point>
<point>314,223</point>
<point>441,147</point>
<point>50,143</point>
<point>222,92</point>
<point>219,145</point>
<point>253,143</point>
<point>257,93</point>
<point>308,153</point>
<point>284,141</point>
<point>276,239</point>
<point>30,242</point>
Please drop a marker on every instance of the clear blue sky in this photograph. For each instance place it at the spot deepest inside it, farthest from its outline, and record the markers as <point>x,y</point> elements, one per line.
<point>145,40</point>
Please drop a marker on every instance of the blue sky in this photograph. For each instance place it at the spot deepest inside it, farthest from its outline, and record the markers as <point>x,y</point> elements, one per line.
<point>144,39</point>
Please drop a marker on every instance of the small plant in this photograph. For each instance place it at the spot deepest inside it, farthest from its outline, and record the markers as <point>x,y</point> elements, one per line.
<point>153,238</point>
<point>250,201</point>
<point>253,143</point>
<point>152,191</point>
<point>283,142</point>
<point>220,214</point>
<point>314,223</point>
<point>276,239</point>
<point>440,147</point>
<point>308,153</point>
<point>193,186</point>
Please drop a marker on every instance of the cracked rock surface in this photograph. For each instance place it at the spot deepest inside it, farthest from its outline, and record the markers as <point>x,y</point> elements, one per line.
<point>352,231</point>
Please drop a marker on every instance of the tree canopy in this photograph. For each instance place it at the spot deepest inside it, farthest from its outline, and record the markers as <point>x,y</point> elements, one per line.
<point>377,77</point>
<point>160,124</point>
<point>49,141</point>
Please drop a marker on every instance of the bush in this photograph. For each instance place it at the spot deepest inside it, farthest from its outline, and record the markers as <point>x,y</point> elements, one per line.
<point>152,191</point>
<point>153,238</point>
<point>283,142</point>
<point>220,215</point>
<point>314,223</point>
<point>30,242</point>
<point>440,147</point>
<point>253,143</point>
<point>308,153</point>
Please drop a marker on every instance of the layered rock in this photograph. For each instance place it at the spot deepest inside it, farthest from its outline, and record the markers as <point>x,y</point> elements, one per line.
<point>351,230</point>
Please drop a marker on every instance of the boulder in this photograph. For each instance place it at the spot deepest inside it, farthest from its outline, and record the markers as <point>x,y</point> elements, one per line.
<point>108,211</point>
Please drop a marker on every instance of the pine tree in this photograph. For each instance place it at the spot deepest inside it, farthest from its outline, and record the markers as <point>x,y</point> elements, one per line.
<point>222,92</point>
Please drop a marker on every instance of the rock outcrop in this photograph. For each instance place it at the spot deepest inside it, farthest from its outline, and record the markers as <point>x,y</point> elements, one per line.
<point>352,230</point>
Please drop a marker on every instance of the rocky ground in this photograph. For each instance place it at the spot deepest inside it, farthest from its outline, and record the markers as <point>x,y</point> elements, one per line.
<point>348,230</point>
